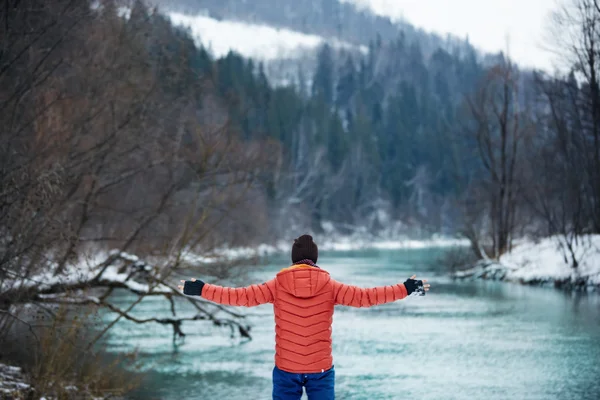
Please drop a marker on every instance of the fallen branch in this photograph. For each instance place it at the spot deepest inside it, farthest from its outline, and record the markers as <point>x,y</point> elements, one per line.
<point>121,271</point>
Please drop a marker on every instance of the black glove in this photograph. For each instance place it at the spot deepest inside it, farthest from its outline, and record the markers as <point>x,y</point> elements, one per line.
<point>414,286</point>
<point>193,288</point>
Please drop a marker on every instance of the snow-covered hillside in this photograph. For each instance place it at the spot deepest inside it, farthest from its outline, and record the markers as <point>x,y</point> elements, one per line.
<point>260,42</point>
<point>282,51</point>
<point>546,262</point>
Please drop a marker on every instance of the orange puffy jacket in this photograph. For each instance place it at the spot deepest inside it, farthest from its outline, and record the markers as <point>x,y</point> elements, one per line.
<point>303,297</point>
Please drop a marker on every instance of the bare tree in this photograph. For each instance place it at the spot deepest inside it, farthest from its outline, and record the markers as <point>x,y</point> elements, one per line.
<point>559,175</point>
<point>99,150</point>
<point>576,34</point>
<point>499,126</point>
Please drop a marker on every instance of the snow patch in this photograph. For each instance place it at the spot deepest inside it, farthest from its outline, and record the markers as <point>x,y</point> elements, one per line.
<point>12,381</point>
<point>122,268</point>
<point>261,42</point>
<point>124,12</point>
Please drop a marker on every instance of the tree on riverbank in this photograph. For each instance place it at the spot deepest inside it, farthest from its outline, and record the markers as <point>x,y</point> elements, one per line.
<point>498,129</point>
<point>114,135</point>
<point>565,157</point>
<point>538,141</point>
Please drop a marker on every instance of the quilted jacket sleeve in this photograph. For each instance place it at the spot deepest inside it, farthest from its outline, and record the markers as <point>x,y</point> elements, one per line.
<point>250,296</point>
<point>355,296</point>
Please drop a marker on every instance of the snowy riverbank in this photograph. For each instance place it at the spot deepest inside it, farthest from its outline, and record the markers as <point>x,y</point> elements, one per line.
<point>14,385</point>
<point>326,244</point>
<point>545,262</point>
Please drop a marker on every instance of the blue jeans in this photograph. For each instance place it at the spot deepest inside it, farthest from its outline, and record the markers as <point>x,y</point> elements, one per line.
<point>288,386</point>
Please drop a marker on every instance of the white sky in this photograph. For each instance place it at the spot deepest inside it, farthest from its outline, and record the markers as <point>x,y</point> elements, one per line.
<point>487,22</point>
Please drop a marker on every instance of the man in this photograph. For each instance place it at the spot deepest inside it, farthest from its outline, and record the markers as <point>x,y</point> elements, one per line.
<point>303,296</point>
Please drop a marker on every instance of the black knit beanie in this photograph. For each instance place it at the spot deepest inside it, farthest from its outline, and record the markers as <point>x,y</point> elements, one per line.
<point>304,249</point>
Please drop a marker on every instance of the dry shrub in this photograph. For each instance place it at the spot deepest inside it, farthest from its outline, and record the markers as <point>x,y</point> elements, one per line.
<point>59,363</point>
<point>457,259</point>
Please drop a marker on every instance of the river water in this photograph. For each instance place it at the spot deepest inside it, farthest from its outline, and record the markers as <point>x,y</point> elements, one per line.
<point>464,340</point>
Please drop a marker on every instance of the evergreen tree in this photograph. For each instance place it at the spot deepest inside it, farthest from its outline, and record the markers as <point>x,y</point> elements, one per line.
<point>323,82</point>
<point>347,84</point>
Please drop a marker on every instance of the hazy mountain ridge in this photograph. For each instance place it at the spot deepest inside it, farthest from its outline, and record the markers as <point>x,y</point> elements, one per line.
<point>382,117</point>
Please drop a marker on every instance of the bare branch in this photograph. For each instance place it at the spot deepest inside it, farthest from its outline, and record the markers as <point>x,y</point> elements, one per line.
<point>9,314</point>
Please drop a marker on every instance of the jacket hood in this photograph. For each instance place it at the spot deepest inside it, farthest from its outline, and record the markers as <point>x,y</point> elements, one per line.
<point>303,280</point>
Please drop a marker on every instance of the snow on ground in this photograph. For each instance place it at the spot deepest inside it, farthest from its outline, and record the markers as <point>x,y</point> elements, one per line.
<point>544,262</point>
<point>338,243</point>
<point>13,385</point>
<point>228,254</point>
<point>260,42</point>
<point>12,381</point>
<point>393,236</point>
<point>400,243</point>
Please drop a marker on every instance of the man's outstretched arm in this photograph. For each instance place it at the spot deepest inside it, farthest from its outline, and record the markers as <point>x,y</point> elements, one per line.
<point>354,296</point>
<point>248,296</point>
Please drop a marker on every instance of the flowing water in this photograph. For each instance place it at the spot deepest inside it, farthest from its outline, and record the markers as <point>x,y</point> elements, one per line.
<point>464,340</point>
